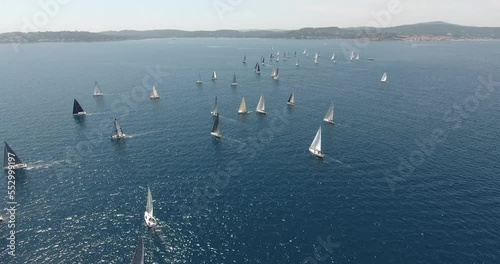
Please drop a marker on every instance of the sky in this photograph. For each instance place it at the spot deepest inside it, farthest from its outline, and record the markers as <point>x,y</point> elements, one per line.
<point>96,16</point>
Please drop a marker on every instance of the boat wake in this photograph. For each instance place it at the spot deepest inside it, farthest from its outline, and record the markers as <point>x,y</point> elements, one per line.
<point>44,164</point>
<point>143,134</point>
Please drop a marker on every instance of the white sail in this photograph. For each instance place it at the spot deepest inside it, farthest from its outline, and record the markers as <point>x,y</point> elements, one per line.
<point>97,90</point>
<point>273,73</point>
<point>214,109</point>
<point>149,203</point>
<point>291,99</point>
<point>214,76</point>
<point>329,115</point>
<point>315,147</point>
<point>305,51</point>
<point>277,76</point>
<point>352,55</point>
<point>357,56</point>
<point>154,93</point>
<point>384,77</point>
<point>261,106</point>
<point>243,107</point>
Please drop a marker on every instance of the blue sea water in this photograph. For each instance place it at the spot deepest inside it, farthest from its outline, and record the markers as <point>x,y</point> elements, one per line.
<point>256,195</point>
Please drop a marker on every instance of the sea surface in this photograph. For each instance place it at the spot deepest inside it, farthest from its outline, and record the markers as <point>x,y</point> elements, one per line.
<point>411,172</point>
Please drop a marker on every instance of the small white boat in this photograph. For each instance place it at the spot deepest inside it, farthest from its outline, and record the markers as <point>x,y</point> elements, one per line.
<point>316,58</point>
<point>11,160</point>
<point>117,131</point>
<point>352,55</point>
<point>384,78</point>
<point>214,76</point>
<point>199,81</point>
<point>291,99</point>
<point>77,109</point>
<point>148,214</point>
<point>329,115</point>
<point>261,106</point>
<point>315,147</point>
<point>243,107</point>
<point>214,109</point>
<point>277,76</point>
<point>297,63</point>
<point>154,93</point>
<point>97,90</point>
<point>234,83</point>
<point>216,128</point>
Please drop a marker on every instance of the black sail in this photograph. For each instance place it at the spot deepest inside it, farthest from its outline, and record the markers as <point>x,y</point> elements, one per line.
<point>77,108</point>
<point>139,253</point>
<point>6,156</point>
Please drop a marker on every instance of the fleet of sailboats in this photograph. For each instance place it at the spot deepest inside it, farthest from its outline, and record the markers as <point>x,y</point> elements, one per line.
<point>214,109</point>
<point>243,107</point>
<point>77,109</point>
<point>10,159</point>
<point>117,131</point>
<point>329,115</point>
<point>261,106</point>
<point>216,127</point>
<point>315,147</point>
<point>97,90</point>
<point>149,218</point>
<point>154,93</point>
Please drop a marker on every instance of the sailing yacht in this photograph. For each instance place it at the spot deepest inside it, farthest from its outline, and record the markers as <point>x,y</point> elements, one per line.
<point>352,55</point>
<point>10,160</point>
<point>261,106</point>
<point>216,128</point>
<point>297,63</point>
<point>329,115</point>
<point>262,60</point>
<point>257,69</point>
<point>274,72</point>
<point>97,90</point>
<point>243,107</point>
<point>154,93</point>
<point>316,57</point>
<point>315,147</point>
<point>334,58</point>
<point>214,109</point>
<point>245,59</point>
<point>277,76</point>
<point>199,81</point>
<point>77,109</point>
<point>148,214</point>
<point>117,131</point>
<point>305,51</point>
<point>138,257</point>
<point>384,78</point>
<point>234,83</point>
<point>277,58</point>
<point>214,76</point>
<point>291,100</point>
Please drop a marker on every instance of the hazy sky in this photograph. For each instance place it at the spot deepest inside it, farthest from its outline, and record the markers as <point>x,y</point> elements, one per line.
<point>93,15</point>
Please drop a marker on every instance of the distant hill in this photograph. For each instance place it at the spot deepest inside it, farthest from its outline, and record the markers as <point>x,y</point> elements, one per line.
<point>423,31</point>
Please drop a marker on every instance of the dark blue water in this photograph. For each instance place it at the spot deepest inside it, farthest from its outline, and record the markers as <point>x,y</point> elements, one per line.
<point>256,195</point>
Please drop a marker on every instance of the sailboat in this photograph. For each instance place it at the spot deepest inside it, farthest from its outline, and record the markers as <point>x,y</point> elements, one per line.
<point>384,78</point>
<point>357,56</point>
<point>199,81</point>
<point>316,57</point>
<point>305,51</point>
<point>262,60</point>
<point>234,83</point>
<point>277,76</point>
<point>334,58</point>
<point>77,109</point>
<point>297,63</point>
<point>214,76</point>
<point>97,90</point>
<point>295,53</point>
<point>274,72</point>
<point>329,115</point>
<point>10,160</point>
<point>315,147</point>
<point>148,214</point>
<point>243,107</point>
<point>117,131</point>
<point>261,106</point>
<point>352,56</point>
<point>245,59</point>
<point>216,128</point>
<point>154,93</point>
<point>291,100</point>
<point>257,70</point>
<point>277,58</point>
<point>214,109</point>
<point>138,257</point>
